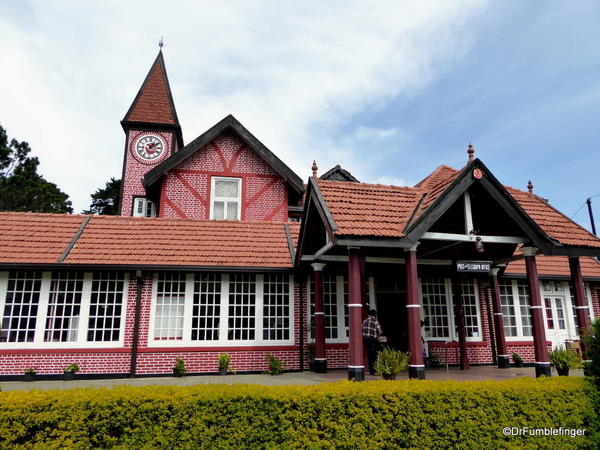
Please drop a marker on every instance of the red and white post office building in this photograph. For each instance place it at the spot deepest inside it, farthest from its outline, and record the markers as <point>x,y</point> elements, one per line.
<point>221,248</point>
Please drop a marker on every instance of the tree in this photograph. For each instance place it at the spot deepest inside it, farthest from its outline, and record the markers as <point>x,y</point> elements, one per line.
<point>105,201</point>
<point>21,187</point>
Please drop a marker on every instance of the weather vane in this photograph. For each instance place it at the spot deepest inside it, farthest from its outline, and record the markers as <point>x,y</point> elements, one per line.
<point>161,44</point>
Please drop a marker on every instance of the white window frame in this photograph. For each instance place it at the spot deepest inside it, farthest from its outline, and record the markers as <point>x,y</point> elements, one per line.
<point>223,340</point>
<point>517,306</point>
<point>145,204</point>
<point>213,198</point>
<point>342,330</point>
<point>40,328</point>
<point>453,334</point>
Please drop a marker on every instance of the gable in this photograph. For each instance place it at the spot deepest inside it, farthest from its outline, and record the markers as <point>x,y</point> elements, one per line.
<point>228,125</point>
<point>186,188</point>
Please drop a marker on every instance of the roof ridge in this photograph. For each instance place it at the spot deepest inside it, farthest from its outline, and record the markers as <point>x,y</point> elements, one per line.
<point>362,185</point>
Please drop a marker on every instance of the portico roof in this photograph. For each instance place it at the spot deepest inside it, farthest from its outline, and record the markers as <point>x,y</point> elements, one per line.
<point>368,213</point>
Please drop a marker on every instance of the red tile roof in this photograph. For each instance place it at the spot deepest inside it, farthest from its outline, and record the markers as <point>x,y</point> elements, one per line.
<point>153,103</point>
<point>555,265</point>
<point>554,223</point>
<point>361,209</point>
<point>110,240</point>
<point>383,211</point>
<point>35,238</point>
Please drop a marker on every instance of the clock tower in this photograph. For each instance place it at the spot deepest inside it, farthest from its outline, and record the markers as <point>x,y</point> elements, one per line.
<point>152,134</point>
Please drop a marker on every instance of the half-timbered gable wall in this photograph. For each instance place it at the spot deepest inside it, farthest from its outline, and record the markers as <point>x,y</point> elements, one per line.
<point>187,190</point>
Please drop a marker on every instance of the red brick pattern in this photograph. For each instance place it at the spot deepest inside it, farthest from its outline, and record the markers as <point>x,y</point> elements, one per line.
<point>135,169</point>
<point>186,192</point>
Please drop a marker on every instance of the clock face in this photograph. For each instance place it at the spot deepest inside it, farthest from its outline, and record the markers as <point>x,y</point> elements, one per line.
<point>149,147</point>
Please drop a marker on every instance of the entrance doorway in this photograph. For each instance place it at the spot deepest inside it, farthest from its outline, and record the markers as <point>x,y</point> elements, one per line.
<point>557,326</point>
<point>391,313</point>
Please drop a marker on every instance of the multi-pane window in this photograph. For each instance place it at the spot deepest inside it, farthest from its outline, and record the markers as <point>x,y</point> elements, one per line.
<point>523,296</point>
<point>19,317</point>
<point>143,207</point>
<point>170,304</point>
<point>64,307</point>
<point>335,306</point>
<point>435,300</point>
<point>106,307</point>
<point>226,198</point>
<point>514,299</point>
<point>276,307</point>
<point>330,306</point>
<point>471,308</point>
<point>509,313</point>
<point>242,306</point>
<point>438,309</point>
<point>206,311</point>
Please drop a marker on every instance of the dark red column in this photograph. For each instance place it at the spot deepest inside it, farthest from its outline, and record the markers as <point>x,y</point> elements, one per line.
<point>320,358</point>
<point>416,368</point>
<point>503,358</point>
<point>542,363</point>
<point>356,366</point>
<point>459,314</point>
<point>581,306</point>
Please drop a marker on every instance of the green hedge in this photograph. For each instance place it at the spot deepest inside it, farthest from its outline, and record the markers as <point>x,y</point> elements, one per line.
<point>374,414</point>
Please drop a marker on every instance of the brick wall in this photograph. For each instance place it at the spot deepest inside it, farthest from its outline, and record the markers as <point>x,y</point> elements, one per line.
<point>186,190</point>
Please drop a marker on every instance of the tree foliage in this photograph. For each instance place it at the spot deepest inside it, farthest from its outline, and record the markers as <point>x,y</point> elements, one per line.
<point>105,201</point>
<point>21,187</point>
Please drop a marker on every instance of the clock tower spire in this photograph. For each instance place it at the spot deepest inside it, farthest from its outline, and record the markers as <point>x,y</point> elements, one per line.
<point>152,134</point>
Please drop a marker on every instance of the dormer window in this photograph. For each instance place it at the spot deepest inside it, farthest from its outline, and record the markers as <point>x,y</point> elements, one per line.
<point>226,198</point>
<point>142,207</point>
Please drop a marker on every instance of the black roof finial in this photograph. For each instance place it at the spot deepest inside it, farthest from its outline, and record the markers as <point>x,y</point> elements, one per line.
<point>161,43</point>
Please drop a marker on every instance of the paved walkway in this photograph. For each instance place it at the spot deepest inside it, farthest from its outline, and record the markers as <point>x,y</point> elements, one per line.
<point>299,378</point>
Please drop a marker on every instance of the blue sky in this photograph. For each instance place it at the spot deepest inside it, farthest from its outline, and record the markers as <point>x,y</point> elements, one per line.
<point>387,89</point>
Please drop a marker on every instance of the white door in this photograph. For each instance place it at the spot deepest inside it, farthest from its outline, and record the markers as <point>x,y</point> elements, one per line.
<point>557,326</point>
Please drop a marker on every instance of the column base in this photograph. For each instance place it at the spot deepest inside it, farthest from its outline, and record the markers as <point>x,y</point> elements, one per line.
<point>320,366</point>
<point>503,362</point>
<point>542,369</point>
<point>356,373</point>
<point>416,372</point>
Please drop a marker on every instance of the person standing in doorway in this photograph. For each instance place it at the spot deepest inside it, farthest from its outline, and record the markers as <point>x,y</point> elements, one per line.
<point>371,330</point>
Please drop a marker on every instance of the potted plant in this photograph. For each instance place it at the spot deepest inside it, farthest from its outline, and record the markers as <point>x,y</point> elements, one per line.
<point>224,360</point>
<point>275,365</point>
<point>29,374</point>
<point>391,362</point>
<point>70,371</point>
<point>564,359</point>
<point>517,360</point>
<point>179,370</point>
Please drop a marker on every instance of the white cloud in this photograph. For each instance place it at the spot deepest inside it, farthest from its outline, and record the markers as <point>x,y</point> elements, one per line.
<point>295,74</point>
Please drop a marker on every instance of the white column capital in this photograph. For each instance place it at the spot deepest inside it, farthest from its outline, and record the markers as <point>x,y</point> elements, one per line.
<point>413,248</point>
<point>495,271</point>
<point>318,267</point>
<point>530,251</point>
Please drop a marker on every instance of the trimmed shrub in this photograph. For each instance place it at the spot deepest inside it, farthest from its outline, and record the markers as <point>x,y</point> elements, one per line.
<point>406,413</point>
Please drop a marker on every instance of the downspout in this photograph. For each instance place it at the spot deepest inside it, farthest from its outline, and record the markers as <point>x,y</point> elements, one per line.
<point>136,322</point>
<point>301,295</point>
